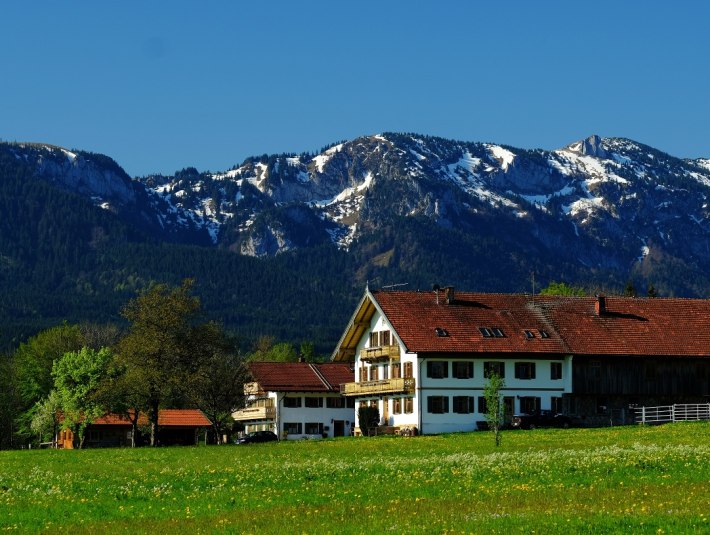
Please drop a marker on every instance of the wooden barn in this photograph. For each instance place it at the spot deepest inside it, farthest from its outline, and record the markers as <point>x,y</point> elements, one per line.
<point>181,427</point>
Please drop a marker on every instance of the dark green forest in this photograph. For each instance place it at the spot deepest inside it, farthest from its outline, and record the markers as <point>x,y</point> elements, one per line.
<point>64,259</point>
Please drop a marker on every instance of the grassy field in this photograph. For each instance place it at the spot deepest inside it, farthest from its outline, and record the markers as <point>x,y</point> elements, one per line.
<point>615,480</point>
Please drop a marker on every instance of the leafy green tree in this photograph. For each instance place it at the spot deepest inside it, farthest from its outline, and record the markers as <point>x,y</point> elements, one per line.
<point>307,352</point>
<point>33,362</point>
<point>9,403</point>
<point>217,386</point>
<point>561,288</point>
<point>495,408</point>
<point>78,376</point>
<point>45,418</point>
<point>266,350</point>
<point>652,291</point>
<point>160,346</point>
<point>124,392</point>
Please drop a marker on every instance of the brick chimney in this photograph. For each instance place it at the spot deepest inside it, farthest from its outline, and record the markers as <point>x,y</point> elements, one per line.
<point>600,305</point>
<point>450,295</point>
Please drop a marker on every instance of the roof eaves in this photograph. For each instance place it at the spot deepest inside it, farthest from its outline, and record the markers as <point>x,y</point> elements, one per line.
<point>367,295</point>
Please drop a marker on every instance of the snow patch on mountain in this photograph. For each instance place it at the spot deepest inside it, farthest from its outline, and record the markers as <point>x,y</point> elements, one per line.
<point>504,156</point>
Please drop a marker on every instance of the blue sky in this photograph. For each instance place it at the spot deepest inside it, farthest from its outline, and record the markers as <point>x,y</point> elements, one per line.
<point>160,86</point>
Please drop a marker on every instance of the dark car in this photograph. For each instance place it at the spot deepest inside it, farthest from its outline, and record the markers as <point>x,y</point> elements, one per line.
<point>257,436</point>
<point>541,419</point>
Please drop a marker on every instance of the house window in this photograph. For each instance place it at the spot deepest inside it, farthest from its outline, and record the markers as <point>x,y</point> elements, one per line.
<point>486,332</point>
<point>396,371</point>
<point>462,369</point>
<point>555,370</point>
<point>385,371</point>
<point>408,405</point>
<point>489,368</point>
<point>525,370</point>
<point>374,339</point>
<point>313,402</point>
<point>408,370</point>
<point>373,373</point>
<point>335,403</point>
<point>463,404</point>
<point>363,374</point>
<point>380,338</point>
<point>350,403</point>
<point>544,334</point>
<point>482,405</point>
<point>292,402</point>
<point>437,369</point>
<point>314,428</point>
<point>396,405</point>
<point>529,404</point>
<point>437,404</point>
<point>293,428</point>
<point>529,334</point>
<point>556,405</point>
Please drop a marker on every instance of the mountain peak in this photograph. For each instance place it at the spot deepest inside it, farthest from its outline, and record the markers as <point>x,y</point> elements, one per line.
<point>592,146</point>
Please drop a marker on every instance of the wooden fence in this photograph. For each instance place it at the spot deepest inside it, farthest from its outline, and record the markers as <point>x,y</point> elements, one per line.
<point>672,413</point>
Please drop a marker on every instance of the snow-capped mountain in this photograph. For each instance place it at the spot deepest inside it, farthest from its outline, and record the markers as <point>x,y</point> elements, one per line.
<point>601,203</point>
<point>617,193</point>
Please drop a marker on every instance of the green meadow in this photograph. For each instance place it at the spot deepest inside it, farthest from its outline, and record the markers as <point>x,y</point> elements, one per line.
<point>614,480</point>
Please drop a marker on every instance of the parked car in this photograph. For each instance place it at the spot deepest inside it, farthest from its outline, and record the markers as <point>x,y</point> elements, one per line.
<point>257,436</point>
<point>541,419</point>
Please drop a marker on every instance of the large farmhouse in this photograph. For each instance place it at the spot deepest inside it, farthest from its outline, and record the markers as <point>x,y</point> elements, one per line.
<point>423,358</point>
<point>298,400</point>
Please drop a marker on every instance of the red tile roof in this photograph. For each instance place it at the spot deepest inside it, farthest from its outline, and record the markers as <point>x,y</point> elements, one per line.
<point>630,326</point>
<point>182,418</point>
<point>166,418</point>
<point>301,376</point>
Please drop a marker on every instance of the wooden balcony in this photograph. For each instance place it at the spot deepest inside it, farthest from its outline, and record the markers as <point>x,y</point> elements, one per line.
<point>255,413</point>
<point>370,354</point>
<point>385,386</point>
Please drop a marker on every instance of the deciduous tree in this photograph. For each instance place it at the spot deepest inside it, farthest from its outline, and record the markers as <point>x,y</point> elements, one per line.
<point>159,347</point>
<point>495,408</point>
<point>78,376</point>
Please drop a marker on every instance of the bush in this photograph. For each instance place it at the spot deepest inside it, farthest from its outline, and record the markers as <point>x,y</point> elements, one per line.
<point>369,418</point>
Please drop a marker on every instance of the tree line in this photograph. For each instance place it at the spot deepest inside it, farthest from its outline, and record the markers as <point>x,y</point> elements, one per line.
<point>167,356</point>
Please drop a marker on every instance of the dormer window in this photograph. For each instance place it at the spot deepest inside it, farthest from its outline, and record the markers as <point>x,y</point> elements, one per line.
<point>529,334</point>
<point>441,332</point>
<point>492,332</point>
<point>544,334</point>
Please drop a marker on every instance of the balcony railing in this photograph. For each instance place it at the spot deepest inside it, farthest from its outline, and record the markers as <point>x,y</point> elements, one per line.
<point>255,413</point>
<point>380,353</point>
<point>385,386</point>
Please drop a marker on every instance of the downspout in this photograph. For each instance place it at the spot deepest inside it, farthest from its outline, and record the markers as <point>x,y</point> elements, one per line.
<point>419,387</point>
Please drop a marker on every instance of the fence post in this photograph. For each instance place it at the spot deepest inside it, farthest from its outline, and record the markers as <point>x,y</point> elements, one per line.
<point>643,414</point>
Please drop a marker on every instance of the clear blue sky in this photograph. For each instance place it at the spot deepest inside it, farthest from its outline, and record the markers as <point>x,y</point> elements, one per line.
<point>160,86</point>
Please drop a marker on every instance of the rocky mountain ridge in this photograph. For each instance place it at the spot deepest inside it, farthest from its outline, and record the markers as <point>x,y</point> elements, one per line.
<point>600,203</point>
